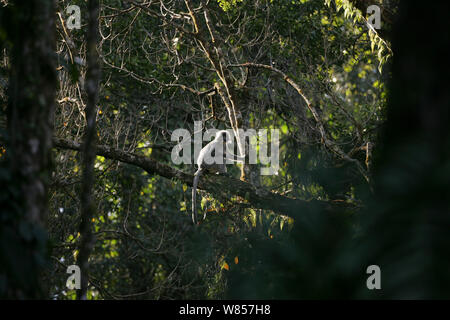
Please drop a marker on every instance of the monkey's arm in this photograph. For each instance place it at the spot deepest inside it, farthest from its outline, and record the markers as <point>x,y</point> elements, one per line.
<point>231,156</point>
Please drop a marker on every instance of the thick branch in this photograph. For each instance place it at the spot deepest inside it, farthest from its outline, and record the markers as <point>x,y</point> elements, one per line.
<point>220,186</point>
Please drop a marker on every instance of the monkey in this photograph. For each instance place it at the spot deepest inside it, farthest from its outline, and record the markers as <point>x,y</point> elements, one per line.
<point>214,151</point>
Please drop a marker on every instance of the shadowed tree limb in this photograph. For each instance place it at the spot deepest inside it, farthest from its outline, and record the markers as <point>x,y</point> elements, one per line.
<point>328,142</point>
<point>219,186</point>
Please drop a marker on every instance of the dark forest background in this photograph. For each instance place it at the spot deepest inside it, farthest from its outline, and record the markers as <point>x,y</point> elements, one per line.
<point>86,177</point>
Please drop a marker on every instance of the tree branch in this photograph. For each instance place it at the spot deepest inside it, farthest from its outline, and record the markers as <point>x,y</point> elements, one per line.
<point>220,186</point>
<point>329,143</point>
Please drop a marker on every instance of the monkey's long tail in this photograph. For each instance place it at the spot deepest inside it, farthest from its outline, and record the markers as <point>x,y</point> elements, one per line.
<point>197,175</point>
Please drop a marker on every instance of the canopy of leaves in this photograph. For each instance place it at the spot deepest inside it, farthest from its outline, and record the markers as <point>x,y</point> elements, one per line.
<point>315,70</point>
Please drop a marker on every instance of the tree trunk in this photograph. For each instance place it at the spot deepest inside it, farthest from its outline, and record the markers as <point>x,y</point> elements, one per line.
<point>408,227</point>
<point>26,168</point>
<point>89,148</point>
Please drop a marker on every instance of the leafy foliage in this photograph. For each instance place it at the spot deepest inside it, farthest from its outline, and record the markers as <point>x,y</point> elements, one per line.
<point>315,70</point>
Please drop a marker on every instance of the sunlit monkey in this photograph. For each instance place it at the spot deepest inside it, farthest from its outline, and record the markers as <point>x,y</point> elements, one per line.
<point>211,158</point>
